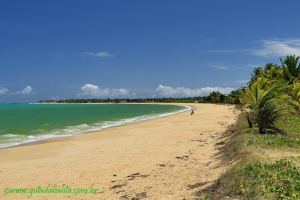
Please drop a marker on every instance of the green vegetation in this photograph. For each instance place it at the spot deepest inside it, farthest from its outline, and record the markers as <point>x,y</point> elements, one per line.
<point>268,164</point>
<point>291,137</point>
<point>266,103</point>
<point>272,91</point>
<point>268,167</point>
<point>295,94</point>
<point>291,69</point>
<point>256,180</point>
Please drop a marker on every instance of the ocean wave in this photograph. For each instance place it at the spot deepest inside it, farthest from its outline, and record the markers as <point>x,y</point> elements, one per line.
<point>9,140</point>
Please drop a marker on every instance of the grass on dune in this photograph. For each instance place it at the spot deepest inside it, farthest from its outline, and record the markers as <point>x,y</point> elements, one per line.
<point>258,180</point>
<point>290,125</point>
<point>256,175</point>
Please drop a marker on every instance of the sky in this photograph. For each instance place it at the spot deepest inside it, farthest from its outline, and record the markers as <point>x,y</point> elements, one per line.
<point>137,48</point>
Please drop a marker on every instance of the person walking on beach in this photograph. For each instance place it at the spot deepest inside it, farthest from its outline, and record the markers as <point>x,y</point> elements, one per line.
<point>192,113</point>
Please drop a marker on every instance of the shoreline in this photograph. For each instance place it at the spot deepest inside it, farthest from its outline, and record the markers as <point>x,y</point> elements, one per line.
<point>162,158</point>
<point>97,129</point>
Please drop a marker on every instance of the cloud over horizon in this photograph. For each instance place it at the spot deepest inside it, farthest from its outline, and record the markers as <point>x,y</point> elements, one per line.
<point>168,91</point>
<point>3,90</point>
<point>27,90</point>
<point>94,91</point>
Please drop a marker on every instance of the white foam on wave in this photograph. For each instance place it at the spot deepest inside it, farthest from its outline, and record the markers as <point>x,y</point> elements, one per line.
<point>23,139</point>
<point>9,135</point>
<point>14,139</point>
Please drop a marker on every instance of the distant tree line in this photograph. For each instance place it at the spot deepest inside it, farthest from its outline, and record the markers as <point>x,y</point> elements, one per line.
<point>213,97</point>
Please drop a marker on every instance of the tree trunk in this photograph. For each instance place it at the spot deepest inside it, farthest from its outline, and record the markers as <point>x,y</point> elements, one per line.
<point>249,122</point>
<point>261,129</point>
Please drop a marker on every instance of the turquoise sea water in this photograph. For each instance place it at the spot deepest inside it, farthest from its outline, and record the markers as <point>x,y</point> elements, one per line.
<point>21,123</point>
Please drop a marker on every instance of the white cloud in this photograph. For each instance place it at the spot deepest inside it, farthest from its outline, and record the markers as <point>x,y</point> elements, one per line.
<point>27,90</point>
<point>219,66</point>
<point>167,91</point>
<point>241,81</point>
<point>267,48</point>
<point>101,54</point>
<point>3,90</point>
<point>255,65</point>
<point>278,47</point>
<point>94,91</point>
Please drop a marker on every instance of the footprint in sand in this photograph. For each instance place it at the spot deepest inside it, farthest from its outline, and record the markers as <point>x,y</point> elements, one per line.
<point>166,165</point>
<point>198,140</point>
<point>118,186</point>
<point>220,143</point>
<point>184,157</point>
<point>136,196</point>
<point>135,175</point>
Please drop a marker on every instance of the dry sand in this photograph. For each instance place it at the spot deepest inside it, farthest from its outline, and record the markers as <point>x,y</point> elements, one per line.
<point>165,158</point>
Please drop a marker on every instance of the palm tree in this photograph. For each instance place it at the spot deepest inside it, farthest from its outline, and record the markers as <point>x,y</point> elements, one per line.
<point>217,97</point>
<point>265,102</point>
<point>270,71</point>
<point>273,72</point>
<point>233,97</point>
<point>291,68</point>
<point>295,94</point>
<point>257,72</point>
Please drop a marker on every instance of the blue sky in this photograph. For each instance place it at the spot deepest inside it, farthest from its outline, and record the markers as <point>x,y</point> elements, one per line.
<point>65,49</point>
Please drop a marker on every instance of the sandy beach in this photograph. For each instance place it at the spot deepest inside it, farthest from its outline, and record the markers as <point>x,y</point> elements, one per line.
<point>164,158</point>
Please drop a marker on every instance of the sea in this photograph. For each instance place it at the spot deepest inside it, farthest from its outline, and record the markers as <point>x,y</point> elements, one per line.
<point>25,123</point>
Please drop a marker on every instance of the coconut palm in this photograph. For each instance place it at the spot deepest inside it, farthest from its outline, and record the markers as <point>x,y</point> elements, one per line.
<point>265,101</point>
<point>291,68</point>
<point>273,72</point>
<point>257,72</point>
<point>270,71</point>
<point>295,94</point>
<point>216,97</point>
